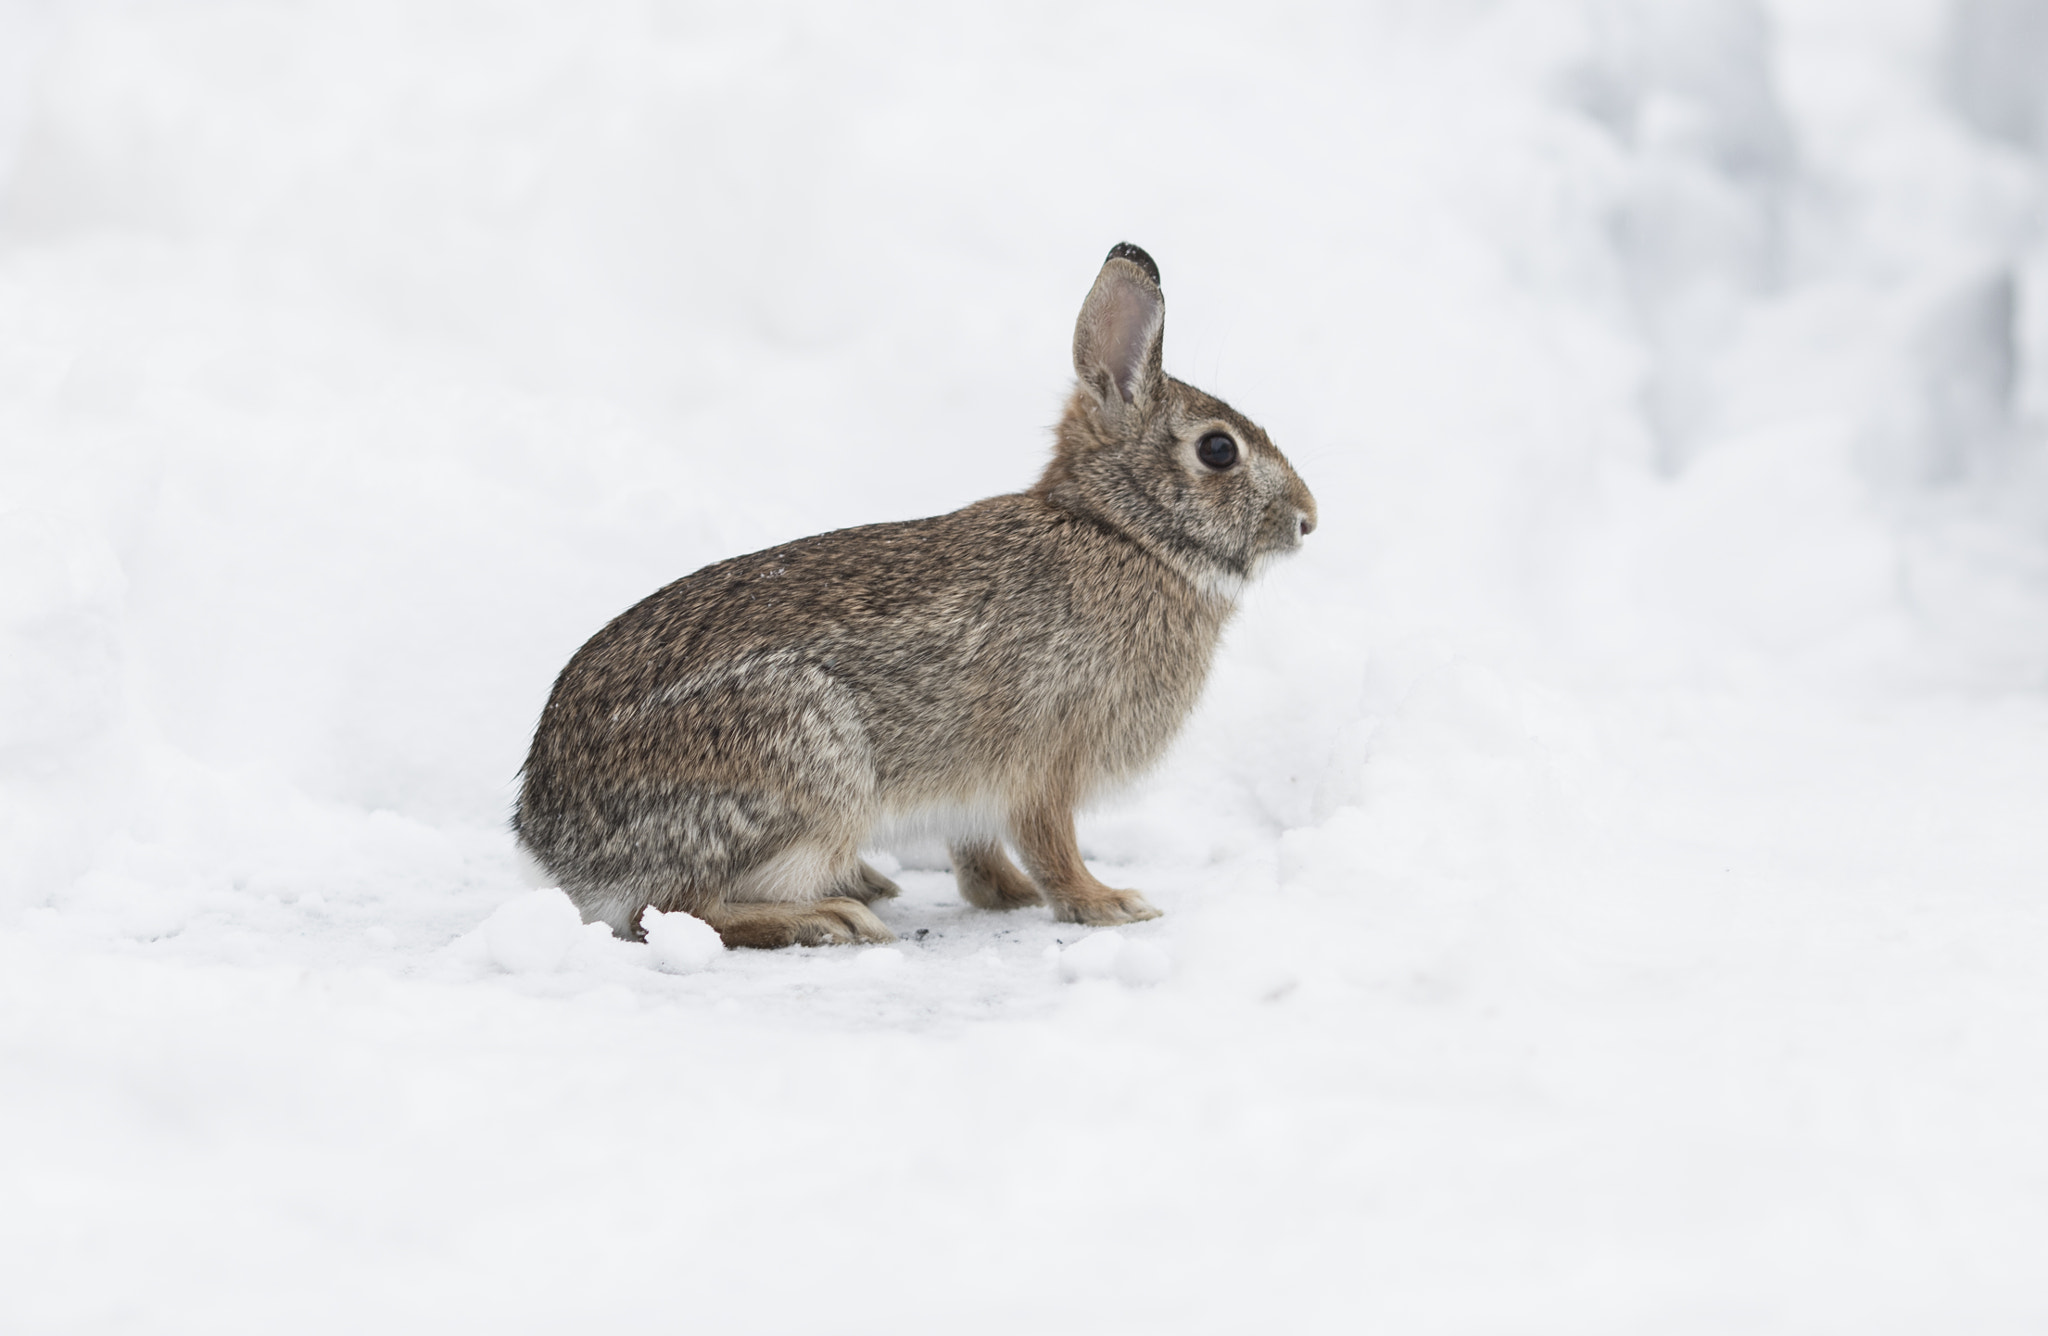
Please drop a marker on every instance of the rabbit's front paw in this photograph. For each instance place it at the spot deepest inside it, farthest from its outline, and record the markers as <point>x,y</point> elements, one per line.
<point>1106,908</point>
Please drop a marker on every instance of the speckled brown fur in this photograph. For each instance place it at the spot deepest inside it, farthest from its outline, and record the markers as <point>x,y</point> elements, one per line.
<point>728,744</point>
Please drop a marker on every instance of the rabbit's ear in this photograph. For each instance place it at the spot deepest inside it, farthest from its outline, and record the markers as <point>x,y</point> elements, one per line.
<point>1116,340</point>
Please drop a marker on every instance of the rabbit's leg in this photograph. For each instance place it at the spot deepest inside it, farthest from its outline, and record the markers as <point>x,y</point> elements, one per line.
<point>1045,836</point>
<point>987,877</point>
<point>835,921</point>
<point>867,885</point>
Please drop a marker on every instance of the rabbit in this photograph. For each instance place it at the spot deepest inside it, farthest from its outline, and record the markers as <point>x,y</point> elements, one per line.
<point>727,745</point>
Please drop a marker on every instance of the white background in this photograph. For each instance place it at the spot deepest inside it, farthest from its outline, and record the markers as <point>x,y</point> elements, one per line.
<point>1606,882</point>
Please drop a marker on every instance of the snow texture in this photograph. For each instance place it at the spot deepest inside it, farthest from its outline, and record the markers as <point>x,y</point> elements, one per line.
<point>1606,883</point>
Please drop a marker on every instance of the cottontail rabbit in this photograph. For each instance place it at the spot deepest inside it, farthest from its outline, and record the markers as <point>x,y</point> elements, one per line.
<point>726,745</point>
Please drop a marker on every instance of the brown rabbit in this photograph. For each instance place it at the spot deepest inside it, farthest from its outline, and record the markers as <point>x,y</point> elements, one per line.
<point>728,745</point>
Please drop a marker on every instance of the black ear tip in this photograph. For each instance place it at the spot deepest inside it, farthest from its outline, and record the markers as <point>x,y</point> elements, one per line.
<point>1124,250</point>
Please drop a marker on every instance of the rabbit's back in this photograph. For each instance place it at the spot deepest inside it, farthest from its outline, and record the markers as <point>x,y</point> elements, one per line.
<point>1009,636</point>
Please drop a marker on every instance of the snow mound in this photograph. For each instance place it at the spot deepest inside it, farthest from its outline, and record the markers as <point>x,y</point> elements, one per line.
<point>682,943</point>
<point>534,933</point>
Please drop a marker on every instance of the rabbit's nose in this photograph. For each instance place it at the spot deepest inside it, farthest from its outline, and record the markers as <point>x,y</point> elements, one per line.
<point>1308,523</point>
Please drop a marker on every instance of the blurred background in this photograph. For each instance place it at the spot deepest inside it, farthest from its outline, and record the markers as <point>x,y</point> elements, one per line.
<point>1672,376</point>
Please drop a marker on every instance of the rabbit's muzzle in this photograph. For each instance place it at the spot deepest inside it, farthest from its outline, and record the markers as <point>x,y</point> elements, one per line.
<point>1289,518</point>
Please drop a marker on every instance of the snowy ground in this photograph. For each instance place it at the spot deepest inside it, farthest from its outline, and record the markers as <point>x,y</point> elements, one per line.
<point>1606,884</point>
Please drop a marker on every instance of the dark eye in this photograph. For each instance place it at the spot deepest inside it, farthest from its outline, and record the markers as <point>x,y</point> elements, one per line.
<point>1217,450</point>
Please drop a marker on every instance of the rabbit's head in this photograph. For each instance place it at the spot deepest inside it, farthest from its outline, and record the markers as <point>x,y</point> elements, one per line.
<point>1180,471</point>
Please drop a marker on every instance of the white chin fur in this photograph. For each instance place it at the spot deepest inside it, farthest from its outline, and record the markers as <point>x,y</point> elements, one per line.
<point>1230,586</point>
<point>1225,585</point>
<point>1266,561</point>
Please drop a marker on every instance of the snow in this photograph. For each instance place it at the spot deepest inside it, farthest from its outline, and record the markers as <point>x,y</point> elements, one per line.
<point>534,933</point>
<point>1605,883</point>
<point>1109,955</point>
<point>681,944</point>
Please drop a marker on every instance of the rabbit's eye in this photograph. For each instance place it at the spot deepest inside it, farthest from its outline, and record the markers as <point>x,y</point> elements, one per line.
<point>1217,450</point>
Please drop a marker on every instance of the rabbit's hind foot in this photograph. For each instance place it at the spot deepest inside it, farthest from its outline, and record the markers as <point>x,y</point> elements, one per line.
<point>836,921</point>
<point>988,879</point>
